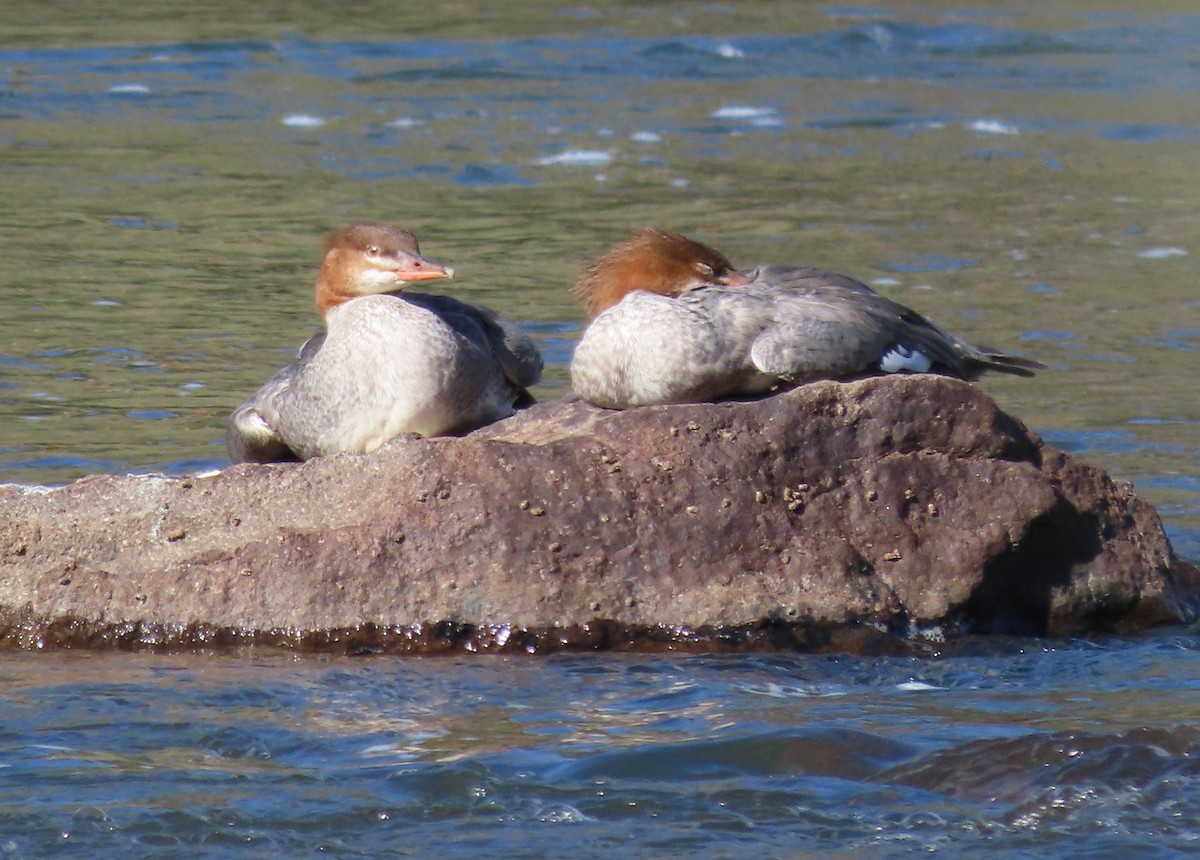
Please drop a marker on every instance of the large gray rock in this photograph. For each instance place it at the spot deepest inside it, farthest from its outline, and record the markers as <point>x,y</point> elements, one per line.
<point>910,505</point>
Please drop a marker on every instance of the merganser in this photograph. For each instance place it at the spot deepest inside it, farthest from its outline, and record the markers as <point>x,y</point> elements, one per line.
<point>673,322</point>
<point>388,362</point>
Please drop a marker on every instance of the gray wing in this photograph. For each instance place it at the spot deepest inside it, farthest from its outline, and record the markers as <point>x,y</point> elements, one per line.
<point>251,436</point>
<point>516,352</point>
<point>802,279</point>
<point>832,325</point>
<point>813,349</point>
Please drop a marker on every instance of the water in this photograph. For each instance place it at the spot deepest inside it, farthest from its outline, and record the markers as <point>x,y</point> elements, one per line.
<point>1016,749</point>
<point>1027,177</point>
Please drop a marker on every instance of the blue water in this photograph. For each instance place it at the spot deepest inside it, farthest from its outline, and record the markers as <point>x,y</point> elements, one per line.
<point>1007,749</point>
<point>383,95</point>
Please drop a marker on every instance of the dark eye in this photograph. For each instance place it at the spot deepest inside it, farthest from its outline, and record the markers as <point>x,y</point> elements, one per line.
<point>372,250</point>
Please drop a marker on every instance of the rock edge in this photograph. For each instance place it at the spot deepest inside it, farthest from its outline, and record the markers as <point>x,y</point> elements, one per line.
<point>836,515</point>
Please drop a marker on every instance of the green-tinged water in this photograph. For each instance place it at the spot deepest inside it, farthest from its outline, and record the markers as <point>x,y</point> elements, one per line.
<point>1026,178</point>
<point>166,198</point>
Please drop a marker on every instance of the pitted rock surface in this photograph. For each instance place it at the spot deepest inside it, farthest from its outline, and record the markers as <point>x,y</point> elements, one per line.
<point>901,504</point>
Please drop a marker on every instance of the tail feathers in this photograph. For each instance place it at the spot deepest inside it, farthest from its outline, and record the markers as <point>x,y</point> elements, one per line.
<point>250,439</point>
<point>1000,362</point>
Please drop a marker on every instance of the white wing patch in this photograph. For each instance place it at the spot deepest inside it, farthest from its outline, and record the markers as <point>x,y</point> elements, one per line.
<point>899,359</point>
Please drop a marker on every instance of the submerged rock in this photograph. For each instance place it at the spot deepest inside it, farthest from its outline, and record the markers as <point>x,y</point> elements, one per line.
<point>836,514</point>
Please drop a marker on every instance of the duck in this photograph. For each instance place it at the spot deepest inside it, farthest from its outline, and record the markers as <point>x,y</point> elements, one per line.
<point>390,361</point>
<point>672,321</point>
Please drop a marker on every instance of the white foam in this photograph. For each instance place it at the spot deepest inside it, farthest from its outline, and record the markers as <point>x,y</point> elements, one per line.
<point>302,120</point>
<point>645,137</point>
<point>404,122</point>
<point>793,691</point>
<point>129,89</point>
<point>1160,253</point>
<point>917,687</point>
<point>29,489</point>
<point>743,112</point>
<point>562,813</point>
<point>577,157</point>
<point>730,51</point>
<point>991,126</point>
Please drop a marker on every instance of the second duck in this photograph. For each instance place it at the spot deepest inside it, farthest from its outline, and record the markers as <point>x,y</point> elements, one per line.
<point>673,322</point>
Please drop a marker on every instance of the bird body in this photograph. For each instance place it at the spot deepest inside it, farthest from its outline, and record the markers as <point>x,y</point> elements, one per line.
<point>699,331</point>
<point>389,361</point>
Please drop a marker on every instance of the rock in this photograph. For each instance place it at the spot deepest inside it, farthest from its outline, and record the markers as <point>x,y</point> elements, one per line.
<point>843,515</point>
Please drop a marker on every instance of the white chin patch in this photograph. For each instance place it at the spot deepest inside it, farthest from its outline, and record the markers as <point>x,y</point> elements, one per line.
<point>380,281</point>
<point>900,359</point>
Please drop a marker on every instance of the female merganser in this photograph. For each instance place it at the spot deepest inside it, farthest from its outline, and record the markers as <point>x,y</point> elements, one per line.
<point>673,322</point>
<point>388,362</point>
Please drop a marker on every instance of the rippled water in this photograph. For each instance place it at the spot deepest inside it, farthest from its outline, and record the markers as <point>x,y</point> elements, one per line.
<point>1016,750</point>
<point>1026,177</point>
